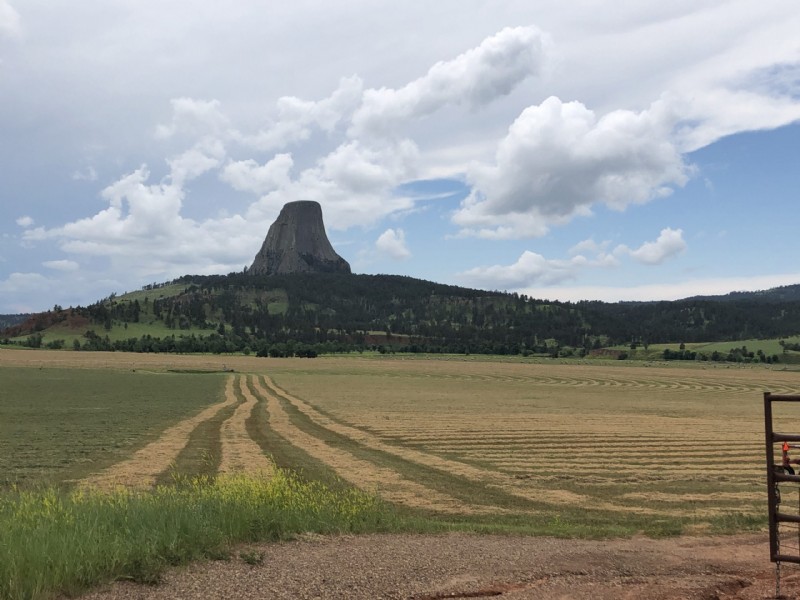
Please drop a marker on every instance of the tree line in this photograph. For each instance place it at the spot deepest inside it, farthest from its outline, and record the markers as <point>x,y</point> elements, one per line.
<point>320,313</point>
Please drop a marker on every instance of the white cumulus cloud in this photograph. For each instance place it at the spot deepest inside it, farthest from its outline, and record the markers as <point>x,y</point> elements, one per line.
<point>559,159</point>
<point>392,243</point>
<point>296,118</point>
<point>530,269</point>
<point>205,155</point>
<point>474,78</point>
<point>143,233</point>
<point>670,243</point>
<point>25,221</point>
<point>194,117</point>
<point>354,184</point>
<point>249,176</point>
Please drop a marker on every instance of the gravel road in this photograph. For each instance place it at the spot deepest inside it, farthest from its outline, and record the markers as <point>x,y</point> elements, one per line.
<point>433,567</point>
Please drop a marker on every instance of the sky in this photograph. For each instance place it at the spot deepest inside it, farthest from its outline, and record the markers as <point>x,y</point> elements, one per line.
<point>556,149</point>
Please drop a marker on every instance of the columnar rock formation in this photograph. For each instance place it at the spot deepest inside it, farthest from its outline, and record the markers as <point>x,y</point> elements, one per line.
<point>296,243</point>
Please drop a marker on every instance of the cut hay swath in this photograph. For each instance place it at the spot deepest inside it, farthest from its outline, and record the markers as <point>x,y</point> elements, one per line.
<point>144,467</point>
<point>390,484</point>
<point>241,453</point>
<point>630,440</point>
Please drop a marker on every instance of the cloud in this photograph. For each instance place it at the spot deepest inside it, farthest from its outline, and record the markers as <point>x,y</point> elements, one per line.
<point>296,118</point>
<point>534,269</point>
<point>143,233</point>
<point>354,184</point>
<point>590,246</point>
<point>670,243</point>
<point>194,117</point>
<point>599,250</point>
<point>90,174</point>
<point>559,159</point>
<point>249,176</point>
<point>674,290</point>
<point>474,79</point>
<point>10,21</point>
<point>392,243</point>
<point>719,111</point>
<point>25,221</point>
<point>531,268</point>
<point>357,143</point>
<point>204,156</point>
<point>61,265</point>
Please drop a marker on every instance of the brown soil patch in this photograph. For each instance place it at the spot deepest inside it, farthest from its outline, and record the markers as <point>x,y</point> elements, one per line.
<point>428,567</point>
<point>146,464</point>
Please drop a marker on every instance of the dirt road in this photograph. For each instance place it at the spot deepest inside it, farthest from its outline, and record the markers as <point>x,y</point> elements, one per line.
<point>432,567</point>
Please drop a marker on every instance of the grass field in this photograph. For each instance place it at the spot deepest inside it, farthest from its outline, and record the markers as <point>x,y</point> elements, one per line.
<point>58,424</point>
<point>769,347</point>
<point>570,449</point>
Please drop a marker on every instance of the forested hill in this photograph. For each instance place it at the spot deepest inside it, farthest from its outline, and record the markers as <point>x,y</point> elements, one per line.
<point>335,312</point>
<point>785,293</point>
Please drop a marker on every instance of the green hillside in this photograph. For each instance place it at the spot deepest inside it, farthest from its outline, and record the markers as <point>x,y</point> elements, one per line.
<point>308,314</point>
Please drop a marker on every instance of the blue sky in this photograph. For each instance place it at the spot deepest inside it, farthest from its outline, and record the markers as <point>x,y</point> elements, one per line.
<point>565,153</point>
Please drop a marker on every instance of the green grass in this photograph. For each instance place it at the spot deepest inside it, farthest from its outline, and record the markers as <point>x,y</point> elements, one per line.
<point>203,452</point>
<point>656,351</point>
<point>55,543</point>
<point>167,291</point>
<point>61,424</point>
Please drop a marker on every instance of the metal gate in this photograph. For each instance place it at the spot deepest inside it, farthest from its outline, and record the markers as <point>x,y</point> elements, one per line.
<point>781,510</point>
<point>784,514</point>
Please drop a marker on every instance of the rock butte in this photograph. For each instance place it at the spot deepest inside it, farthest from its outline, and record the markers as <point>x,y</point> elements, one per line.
<point>296,243</point>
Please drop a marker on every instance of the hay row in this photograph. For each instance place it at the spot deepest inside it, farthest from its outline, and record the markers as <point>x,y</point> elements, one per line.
<point>684,497</point>
<point>503,450</point>
<point>375,443</point>
<point>532,442</point>
<point>684,384</point>
<point>389,484</point>
<point>495,479</point>
<point>602,468</point>
<point>240,453</point>
<point>147,463</point>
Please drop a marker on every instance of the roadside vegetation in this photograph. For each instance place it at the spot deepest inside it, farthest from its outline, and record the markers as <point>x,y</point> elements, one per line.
<point>55,542</point>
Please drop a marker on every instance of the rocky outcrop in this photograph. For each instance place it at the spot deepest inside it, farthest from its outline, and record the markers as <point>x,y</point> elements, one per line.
<point>296,243</point>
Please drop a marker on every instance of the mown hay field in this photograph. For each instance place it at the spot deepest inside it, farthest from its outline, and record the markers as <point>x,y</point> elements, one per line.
<point>539,447</point>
